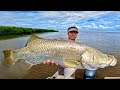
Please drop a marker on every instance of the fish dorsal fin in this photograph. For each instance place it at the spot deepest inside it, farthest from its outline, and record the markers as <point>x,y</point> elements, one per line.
<point>32,38</point>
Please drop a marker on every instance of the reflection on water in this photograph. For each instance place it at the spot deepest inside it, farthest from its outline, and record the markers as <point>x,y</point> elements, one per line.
<point>104,41</point>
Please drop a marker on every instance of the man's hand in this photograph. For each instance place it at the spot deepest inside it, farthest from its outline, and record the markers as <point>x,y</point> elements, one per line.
<point>49,62</point>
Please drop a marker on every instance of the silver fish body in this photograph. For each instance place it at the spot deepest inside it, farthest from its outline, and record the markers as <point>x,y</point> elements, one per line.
<point>69,54</point>
<point>66,53</point>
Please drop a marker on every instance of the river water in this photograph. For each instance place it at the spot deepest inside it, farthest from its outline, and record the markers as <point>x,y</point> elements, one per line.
<point>108,42</point>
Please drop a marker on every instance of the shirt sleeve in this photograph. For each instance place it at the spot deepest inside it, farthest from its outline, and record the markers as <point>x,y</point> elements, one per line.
<point>61,72</point>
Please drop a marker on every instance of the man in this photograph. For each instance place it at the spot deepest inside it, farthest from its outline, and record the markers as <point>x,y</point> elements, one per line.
<point>88,74</point>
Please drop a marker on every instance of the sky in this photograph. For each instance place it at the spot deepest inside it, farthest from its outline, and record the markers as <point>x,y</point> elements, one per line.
<point>61,20</point>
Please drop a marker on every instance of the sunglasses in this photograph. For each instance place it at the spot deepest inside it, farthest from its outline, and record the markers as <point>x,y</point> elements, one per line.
<point>73,32</point>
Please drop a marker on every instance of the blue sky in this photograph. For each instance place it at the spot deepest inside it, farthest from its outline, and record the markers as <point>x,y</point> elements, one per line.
<point>61,20</point>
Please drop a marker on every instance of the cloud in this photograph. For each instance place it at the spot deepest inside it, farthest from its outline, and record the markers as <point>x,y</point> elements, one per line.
<point>61,20</point>
<point>67,17</point>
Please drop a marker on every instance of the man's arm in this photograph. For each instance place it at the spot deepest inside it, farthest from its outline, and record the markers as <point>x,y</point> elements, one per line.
<point>60,73</point>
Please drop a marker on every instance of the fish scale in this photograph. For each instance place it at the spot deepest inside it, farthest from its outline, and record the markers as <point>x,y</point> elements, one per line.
<point>66,53</point>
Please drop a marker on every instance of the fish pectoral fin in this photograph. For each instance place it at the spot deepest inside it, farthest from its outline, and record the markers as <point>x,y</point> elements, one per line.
<point>70,63</point>
<point>88,66</point>
<point>68,72</point>
<point>103,65</point>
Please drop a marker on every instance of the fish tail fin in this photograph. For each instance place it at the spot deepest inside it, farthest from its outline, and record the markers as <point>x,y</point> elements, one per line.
<point>7,53</point>
<point>7,61</point>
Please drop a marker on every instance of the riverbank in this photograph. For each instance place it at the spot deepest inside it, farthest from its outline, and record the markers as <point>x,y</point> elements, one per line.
<point>8,32</point>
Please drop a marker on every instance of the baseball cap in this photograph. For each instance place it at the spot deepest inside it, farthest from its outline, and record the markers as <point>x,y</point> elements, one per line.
<point>73,29</point>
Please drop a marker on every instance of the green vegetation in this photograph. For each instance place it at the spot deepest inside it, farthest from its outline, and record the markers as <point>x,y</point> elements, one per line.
<point>13,31</point>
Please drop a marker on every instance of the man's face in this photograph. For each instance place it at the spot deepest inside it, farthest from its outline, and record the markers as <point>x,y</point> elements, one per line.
<point>72,34</point>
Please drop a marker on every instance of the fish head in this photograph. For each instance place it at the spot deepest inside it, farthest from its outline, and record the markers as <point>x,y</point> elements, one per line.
<point>95,58</point>
<point>110,60</point>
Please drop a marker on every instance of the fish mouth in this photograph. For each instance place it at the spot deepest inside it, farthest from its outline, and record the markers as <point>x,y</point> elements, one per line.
<point>113,62</point>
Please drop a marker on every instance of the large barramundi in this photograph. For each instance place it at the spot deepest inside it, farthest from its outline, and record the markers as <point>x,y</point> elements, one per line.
<point>69,54</point>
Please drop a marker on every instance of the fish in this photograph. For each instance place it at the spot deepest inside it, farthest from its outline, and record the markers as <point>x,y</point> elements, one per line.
<point>71,55</point>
